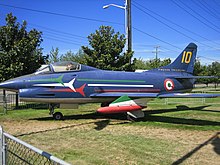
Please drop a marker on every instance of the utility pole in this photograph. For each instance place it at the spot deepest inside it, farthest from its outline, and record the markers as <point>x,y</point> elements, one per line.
<point>127,9</point>
<point>156,54</point>
<point>128,27</point>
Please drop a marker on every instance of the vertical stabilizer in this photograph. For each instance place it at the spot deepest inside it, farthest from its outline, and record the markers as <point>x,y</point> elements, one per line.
<point>185,61</point>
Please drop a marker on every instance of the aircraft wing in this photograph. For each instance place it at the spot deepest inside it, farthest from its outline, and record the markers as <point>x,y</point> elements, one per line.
<point>188,95</point>
<point>133,103</point>
<point>156,95</point>
<point>193,77</point>
<point>132,95</point>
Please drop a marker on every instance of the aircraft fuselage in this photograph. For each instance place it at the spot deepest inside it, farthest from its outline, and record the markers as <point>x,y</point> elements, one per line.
<point>77,87</point>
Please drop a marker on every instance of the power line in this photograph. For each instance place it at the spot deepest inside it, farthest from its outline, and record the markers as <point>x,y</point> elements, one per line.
<point>63,38</point>
<point>216,2</point>
<point>61,35</point>
<point>213,10</point>
<point>195,17</point>
<point>83,18</point>
<point>170,26</point>
<point>60,14</point>
<point>59,40</point>
<point>188,7</point>
<point>206,9</point>
<point>155,37</point>
<point>210,59</point>
<point>57,31</point>
<point>168,20</point>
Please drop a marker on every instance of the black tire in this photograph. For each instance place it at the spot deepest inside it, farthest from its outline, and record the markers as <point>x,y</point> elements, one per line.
<point>58,116</point>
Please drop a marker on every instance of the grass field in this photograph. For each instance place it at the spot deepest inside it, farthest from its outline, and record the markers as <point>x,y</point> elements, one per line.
<point>186,132</point>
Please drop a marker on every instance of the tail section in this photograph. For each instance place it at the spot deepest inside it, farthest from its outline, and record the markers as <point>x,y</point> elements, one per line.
<point>185,61</point>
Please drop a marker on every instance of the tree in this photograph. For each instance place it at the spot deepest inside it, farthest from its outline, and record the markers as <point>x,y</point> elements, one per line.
<point>198,68</point>
<point>79,57</point>
<point>214,70</point>
<point>210,70</point>
<point>53,56</point>
<point>105,52</point>
<point>141,64</point>
<point>20,50</point>
<point>151,64</point>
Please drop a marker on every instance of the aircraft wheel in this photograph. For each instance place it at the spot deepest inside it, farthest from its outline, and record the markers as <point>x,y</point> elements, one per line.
<point>58,116</point>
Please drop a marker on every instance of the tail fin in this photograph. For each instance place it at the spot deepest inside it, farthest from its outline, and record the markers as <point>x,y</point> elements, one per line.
<point>185,61</point>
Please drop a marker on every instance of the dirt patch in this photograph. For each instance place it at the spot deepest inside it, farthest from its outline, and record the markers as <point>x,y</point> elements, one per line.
<point>197,147</point>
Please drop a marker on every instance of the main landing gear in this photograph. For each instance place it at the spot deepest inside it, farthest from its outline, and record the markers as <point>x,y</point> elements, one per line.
<point>56,115</point>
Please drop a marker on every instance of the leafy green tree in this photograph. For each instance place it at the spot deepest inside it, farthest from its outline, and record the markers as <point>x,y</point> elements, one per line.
<point>198,68</point>
<point>141,64</point>
<point>165,62</point>
<point>105,50</point>
<point>79,57</point>
<point>20,51</point>
<point>151,64</point>
<point>204,71</point>
<point>53,56</point>
<point>214,70</point>
<point>210,70</point>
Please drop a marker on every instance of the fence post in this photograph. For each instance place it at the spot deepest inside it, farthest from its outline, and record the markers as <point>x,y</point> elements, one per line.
<point>2,147</point>
<point>16,101</point>
<point>166,101</point>
<point>4,102</point>
<point>4,150</point>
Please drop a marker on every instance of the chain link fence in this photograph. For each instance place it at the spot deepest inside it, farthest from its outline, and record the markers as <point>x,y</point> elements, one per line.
<point>16,152</point>
<point>3,104</point>
<point>8,102</point>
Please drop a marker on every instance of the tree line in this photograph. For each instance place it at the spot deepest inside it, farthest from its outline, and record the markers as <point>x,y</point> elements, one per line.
<point>21,53</point>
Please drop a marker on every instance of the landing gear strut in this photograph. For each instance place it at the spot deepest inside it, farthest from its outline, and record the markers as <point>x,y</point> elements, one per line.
<point>56,115</point>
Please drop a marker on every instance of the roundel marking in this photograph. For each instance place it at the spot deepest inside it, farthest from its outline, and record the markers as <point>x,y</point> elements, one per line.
<point>169,84</point>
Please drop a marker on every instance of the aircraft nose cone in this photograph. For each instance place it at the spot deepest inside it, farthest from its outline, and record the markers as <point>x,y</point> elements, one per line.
<point>16,83</point>
<point>10,85</point>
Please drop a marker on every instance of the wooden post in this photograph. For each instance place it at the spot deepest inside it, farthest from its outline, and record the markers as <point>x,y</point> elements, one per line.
<point>4,102</point>
<point>16,104</point>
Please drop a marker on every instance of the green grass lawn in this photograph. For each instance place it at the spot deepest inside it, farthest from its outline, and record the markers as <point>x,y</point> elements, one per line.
<point>163,136</point>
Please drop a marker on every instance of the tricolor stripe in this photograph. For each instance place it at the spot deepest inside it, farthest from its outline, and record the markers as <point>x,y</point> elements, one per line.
<point>136,90</point>
<point>120,85</point>
<point>105,80</point>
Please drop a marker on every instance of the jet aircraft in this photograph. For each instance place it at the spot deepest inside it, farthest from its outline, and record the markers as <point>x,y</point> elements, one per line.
<point>118,91</point>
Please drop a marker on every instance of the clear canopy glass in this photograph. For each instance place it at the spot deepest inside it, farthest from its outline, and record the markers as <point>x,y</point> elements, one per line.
<point>63,66</point>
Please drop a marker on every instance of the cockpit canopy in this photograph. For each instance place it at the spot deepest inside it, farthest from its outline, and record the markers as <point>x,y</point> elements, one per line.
<point>63,66</point>
<point>66,66</point>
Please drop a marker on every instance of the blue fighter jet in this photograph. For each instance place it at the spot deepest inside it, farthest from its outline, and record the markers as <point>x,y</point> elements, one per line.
<point>118,91</point>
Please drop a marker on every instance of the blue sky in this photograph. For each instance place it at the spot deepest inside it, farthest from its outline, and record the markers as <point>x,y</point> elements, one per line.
<point>170,24</point>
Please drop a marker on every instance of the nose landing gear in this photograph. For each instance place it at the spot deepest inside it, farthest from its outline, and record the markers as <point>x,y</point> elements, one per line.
<point>56,115</point>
